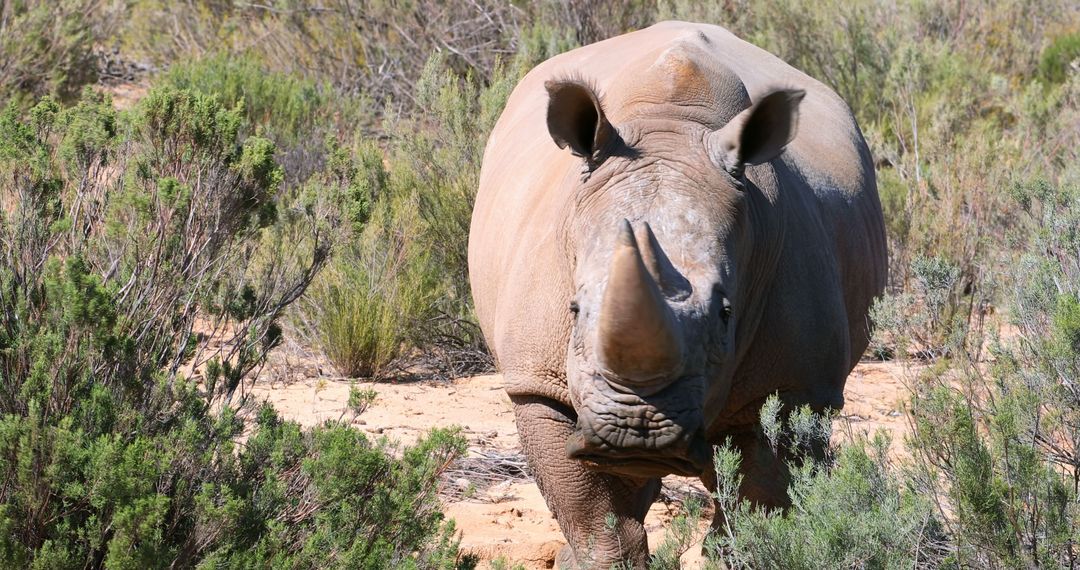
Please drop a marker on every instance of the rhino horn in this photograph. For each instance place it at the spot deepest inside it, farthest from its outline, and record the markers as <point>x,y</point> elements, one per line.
<point>639,339</point>
<point>672,283</point>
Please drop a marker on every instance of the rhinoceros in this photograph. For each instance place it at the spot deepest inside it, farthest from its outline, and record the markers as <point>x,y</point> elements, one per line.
<point>671,226</point>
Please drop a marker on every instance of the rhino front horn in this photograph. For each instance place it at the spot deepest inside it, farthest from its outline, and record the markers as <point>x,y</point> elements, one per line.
<point>639,340</point>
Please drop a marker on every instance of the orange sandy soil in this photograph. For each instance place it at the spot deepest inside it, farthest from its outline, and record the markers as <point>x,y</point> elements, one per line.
<point>125,95</point>
<point>510,519</point>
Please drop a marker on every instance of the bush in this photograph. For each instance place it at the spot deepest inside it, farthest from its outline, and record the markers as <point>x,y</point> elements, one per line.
<point>941,316</point>
<point>47,48</point>
<point>996,443</point>
<point>366,311</point>
<point>283,105</point>
<point>1059,58</point>
<point>399,286</point>
<point>377,49</point>
<point>140,248</point>
<point>850,507</point>
<point>679,537</point>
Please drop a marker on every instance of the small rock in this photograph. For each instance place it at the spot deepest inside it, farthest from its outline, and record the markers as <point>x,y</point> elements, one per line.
<point>462,483</point>
<point>492,434</point>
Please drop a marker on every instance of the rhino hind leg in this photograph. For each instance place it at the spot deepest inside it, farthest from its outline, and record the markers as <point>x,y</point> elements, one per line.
<point>583,500</point>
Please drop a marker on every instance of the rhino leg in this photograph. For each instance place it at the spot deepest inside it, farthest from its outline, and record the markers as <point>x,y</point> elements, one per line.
<point>582,500</point>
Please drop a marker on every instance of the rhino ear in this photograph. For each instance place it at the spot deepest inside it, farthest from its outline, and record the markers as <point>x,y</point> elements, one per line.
<point>575,118</point>
<point>759,133</point>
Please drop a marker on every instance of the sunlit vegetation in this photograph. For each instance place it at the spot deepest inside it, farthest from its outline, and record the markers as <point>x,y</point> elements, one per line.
<point>309,171</point>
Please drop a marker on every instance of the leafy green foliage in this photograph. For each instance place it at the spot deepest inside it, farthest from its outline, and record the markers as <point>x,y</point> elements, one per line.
<point>128,239</point>
<point>997,443</point>
<point>1058,57</point>
<point>681,534</point>
<point>360,400</point>
<point>284,105</point>
<point>850,508</point>
<point>122,234</point>
<point>936,318</point>
<point>399,283</point>
<point>362,311</point>
<point>46,48</point>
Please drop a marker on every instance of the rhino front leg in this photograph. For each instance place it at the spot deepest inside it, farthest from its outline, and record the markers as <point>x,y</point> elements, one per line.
<point>582,500</point>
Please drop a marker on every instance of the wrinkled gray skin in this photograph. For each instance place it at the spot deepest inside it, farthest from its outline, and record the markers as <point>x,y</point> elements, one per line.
<point>671,225</point>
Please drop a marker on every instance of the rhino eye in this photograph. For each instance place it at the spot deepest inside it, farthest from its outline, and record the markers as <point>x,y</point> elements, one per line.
<point>725,310</point>
<point>574,308</point>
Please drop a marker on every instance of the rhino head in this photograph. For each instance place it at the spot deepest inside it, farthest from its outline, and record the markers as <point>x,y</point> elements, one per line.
<point>661,241</point>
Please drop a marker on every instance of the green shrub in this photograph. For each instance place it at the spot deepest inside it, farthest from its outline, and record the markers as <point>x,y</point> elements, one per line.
<point>851,508</point>
<point>361,312</point>
<point>364,316</point>
<point>285,105</point>
<point>1059,57</point>
<point>996,443</point>
<point>377,49</point>
<point>399,285</point>
<point>138,249</point>
<point>47,48</point>
<point>332,498</point>
<point>937,318</point>
<point>681,534</point>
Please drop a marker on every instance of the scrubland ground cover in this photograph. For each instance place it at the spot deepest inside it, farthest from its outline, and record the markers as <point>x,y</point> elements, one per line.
<point>308,170</point>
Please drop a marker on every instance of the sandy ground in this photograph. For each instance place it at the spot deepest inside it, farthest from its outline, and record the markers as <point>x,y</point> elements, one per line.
<point>125,95</point>
<point>510,520</point>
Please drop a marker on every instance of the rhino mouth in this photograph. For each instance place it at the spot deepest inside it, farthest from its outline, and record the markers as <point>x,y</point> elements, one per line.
<point>690,461</point>
<point>640,434</point>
